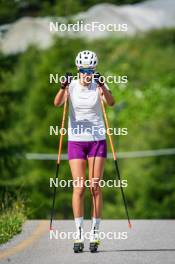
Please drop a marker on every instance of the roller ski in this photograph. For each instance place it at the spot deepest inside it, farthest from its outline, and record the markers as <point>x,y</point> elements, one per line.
<point>94,241</point>
<point>79,242</point>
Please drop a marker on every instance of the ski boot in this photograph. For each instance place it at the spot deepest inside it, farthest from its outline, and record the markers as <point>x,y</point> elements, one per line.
<point>78,246</point>
<point>79,242</point>
<point>94,241</point>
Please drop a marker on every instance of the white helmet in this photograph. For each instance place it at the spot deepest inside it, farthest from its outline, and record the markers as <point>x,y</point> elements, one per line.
<point>86,59</point>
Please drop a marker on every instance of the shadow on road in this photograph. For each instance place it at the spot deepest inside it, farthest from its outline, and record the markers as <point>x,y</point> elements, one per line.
<point>138,250</point>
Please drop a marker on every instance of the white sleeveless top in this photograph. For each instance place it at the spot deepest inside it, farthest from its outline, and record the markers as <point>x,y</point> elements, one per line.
<point>85,120</point>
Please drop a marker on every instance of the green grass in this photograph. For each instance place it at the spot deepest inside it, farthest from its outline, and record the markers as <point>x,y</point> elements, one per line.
<point>11,221</point>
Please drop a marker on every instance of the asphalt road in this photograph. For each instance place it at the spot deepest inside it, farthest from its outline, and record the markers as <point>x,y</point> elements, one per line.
<point>149,241</point>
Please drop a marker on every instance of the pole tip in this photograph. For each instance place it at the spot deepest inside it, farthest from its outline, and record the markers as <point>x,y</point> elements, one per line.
<point>50,228</point>
<point>129,225</point>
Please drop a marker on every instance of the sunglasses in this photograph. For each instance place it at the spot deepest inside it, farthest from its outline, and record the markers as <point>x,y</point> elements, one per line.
<point>86,70</point>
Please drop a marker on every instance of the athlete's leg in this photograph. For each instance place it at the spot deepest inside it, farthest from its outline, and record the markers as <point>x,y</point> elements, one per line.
<point>96,169</point>
<point>78,170</point>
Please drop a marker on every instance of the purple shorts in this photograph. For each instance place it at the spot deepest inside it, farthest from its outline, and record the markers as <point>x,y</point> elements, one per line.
<point>84,149</point>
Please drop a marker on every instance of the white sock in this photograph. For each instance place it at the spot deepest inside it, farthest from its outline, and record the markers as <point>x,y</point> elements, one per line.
<point>95,223</point>
<point>79,222</point>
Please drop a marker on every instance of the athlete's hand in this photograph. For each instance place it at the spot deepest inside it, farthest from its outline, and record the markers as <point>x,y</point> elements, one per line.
<point>67,80</point>
<point>99,79</point>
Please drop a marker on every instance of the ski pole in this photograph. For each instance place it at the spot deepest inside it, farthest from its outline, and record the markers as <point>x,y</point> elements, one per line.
<point>115,158</point>
<point>58,160</point>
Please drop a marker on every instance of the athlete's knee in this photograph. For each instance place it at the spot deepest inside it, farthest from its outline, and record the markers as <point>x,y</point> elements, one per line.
<point>95,187</point>
<point>79,190</point>
<point>96,191</point>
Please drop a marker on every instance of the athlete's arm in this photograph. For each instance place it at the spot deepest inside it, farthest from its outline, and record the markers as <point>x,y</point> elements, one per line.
<point>104,90</point>
<point>107,96</point>
<point>63,92</point>
<point>60,97</point>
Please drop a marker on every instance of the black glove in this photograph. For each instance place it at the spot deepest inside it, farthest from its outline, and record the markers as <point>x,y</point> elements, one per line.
<point>98,79</point>
<point>68,78</point>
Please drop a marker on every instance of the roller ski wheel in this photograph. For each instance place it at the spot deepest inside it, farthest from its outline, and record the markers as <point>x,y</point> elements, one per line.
<point>79,242</point>
<point>94,240</point>
<point>93,246</point>
<point>78,247</point>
